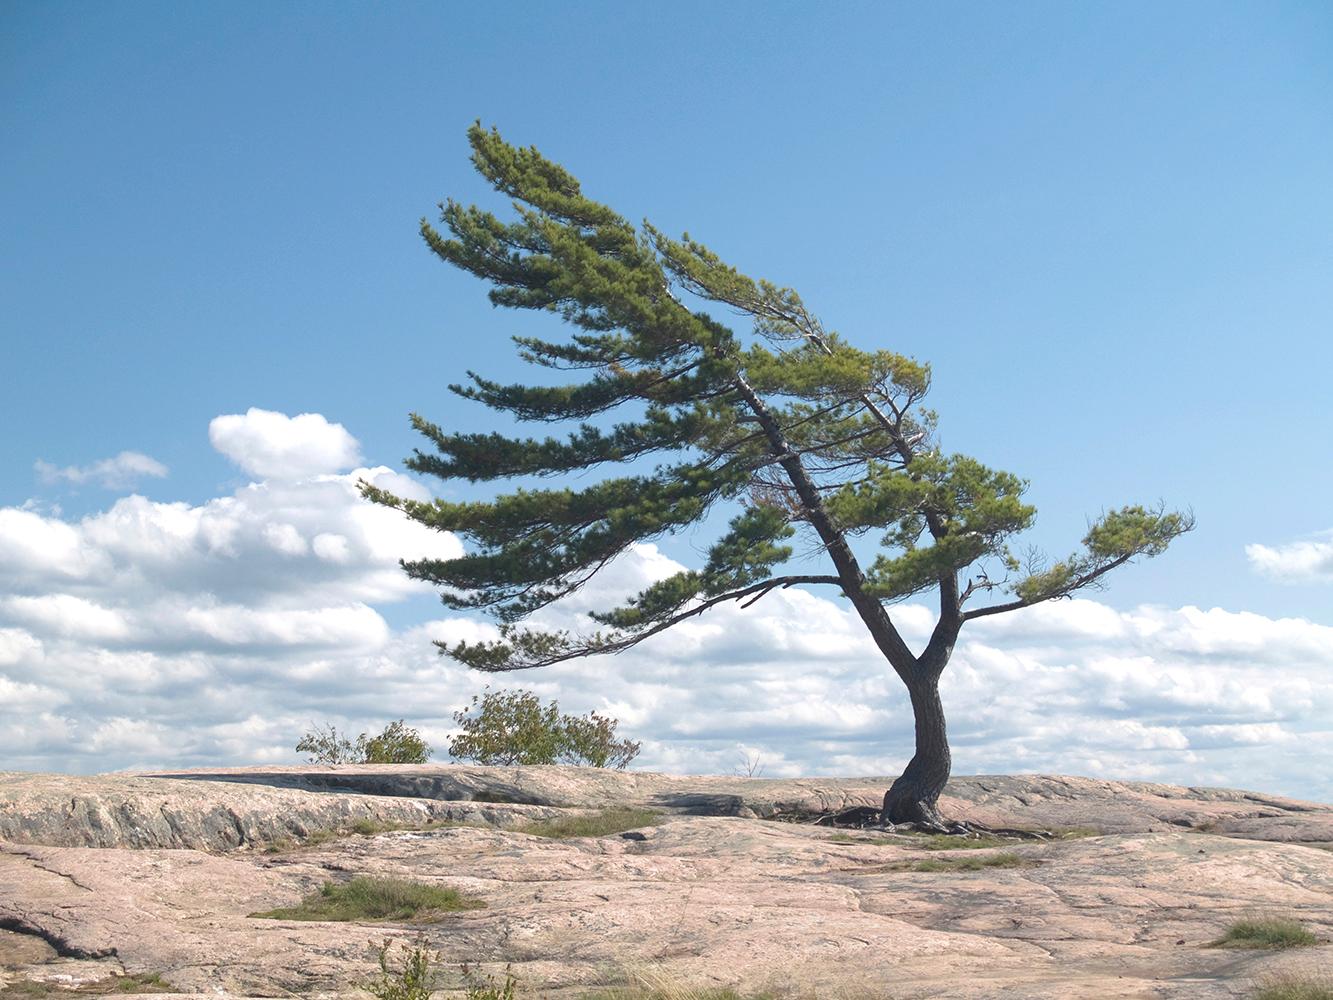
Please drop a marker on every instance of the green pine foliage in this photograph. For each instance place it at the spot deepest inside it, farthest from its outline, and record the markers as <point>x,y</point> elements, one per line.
<point>804,432</point>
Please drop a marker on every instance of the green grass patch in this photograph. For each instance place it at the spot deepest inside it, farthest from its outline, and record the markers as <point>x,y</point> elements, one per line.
<point>601,824</point>
<point>1003,859</point>
<point>376,899</point>
<point>1295,987</point>
<point>1266,932</point>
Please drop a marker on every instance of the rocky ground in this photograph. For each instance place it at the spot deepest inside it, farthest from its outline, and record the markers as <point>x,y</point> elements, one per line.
<point>156,875</point>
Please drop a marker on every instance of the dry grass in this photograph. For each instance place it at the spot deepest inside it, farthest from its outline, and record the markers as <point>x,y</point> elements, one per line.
<point>866,840</point>
<point>1265,932</point>
<point>364,827</point>
<point>376,899</point>
<point>655,984</point>
<point>948,842</point>
<point>600,824</point>
<point>1002,859</point>
<point>28,989</point>
<point>1295,987</point>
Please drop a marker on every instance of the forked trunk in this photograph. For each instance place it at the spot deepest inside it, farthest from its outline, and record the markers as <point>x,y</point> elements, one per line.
<point>913,797</point>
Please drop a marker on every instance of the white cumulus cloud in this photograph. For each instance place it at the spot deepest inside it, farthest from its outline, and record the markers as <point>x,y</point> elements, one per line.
<point>271,445</point>
<point>1307,561</point>
<point>118,472</point>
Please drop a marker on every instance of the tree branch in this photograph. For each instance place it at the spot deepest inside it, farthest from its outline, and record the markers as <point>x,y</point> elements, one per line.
<point>617,646</point>
<point>1077,583</point>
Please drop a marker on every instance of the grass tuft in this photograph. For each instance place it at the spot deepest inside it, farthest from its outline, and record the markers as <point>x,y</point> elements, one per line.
<point>1295,987</point>
<point>601,824</point>
<point>1265,932</point>
<point>867,840</point>
<point>947,842</point>
<point>1004,859</point>
<point>371,899</point>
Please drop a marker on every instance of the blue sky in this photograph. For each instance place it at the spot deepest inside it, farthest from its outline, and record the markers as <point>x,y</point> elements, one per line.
<point>1109,228</point>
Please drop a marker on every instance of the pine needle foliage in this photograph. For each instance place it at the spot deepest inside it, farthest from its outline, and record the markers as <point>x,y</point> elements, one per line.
<point>776,417</point>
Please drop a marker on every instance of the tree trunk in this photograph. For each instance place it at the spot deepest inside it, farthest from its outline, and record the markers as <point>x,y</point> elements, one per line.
<point>913,796</point>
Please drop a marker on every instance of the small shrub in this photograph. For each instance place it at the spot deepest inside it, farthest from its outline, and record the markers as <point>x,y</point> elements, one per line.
<point>1266,932</point>
<point>485,987</point>
<point>371,899</point>
<point>415,979</point>
<point>396,744</point>
<point>325,746</point>
<point>514,727</point>
<point>602,824</point>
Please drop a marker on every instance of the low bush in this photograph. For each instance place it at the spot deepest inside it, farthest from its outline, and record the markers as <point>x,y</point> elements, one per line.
<point>480,986</point>
<point>374,899</point>
<point>397,743</point>
<point>514,727</point>
<point>413,979</point>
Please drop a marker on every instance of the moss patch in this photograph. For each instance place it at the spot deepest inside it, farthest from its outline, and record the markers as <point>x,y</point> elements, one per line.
<point>376,899</point>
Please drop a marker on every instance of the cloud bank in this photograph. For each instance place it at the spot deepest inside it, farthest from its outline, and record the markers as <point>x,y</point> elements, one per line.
<point>170,634</point>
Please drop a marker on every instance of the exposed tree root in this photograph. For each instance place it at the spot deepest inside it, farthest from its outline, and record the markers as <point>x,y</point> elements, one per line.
<point>868,818</point>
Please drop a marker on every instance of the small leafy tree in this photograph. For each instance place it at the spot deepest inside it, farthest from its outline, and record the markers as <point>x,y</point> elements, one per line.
<point>396,744</point>
<point>514,727</point>
<point>785,424</point>
<point>324,745</point>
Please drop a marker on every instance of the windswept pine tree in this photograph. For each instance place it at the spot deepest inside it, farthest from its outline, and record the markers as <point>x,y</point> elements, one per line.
<point>784,424</point>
